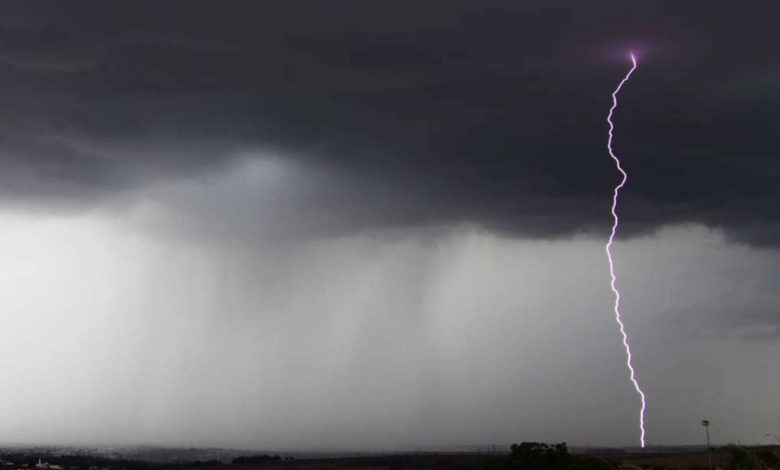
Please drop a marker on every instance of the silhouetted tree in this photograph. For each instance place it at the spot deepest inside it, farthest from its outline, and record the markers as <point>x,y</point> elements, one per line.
<point>539,456</point>
<point>743,459</point>
<point>256,459</point>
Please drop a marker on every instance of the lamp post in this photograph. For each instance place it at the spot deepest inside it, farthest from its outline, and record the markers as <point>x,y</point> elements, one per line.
<point>706,424</point>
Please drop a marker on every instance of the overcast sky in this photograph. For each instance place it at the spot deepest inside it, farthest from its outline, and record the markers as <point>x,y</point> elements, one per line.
<point>343,224</point>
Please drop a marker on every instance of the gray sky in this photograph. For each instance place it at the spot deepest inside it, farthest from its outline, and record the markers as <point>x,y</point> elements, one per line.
<point>380,225</point>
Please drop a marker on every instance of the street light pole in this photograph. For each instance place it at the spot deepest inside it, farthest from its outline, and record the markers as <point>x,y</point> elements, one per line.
<point>706,424</point>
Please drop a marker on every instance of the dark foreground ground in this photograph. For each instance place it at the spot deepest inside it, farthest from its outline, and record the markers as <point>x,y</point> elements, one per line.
<point>536,457</point>
<point>722,458</point>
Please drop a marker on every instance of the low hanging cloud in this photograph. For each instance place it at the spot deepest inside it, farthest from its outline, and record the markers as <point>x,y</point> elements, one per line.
<point>114,334</point>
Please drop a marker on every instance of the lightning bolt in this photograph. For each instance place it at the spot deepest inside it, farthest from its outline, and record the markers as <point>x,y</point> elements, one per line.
<point>608,247</point>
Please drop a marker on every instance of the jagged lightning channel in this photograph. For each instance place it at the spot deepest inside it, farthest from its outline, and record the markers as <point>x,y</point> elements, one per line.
<point>608,247</point>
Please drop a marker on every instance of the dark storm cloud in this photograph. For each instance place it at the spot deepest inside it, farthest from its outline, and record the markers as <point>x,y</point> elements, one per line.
<point>443,111</point>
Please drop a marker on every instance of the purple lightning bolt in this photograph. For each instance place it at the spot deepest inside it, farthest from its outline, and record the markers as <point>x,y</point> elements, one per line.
<point>622,183</point>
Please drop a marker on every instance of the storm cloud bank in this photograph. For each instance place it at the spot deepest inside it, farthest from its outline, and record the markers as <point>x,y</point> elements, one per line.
<point>428,113</point>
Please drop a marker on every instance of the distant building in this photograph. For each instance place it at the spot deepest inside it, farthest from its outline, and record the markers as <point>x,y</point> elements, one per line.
<point>45,465</point>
